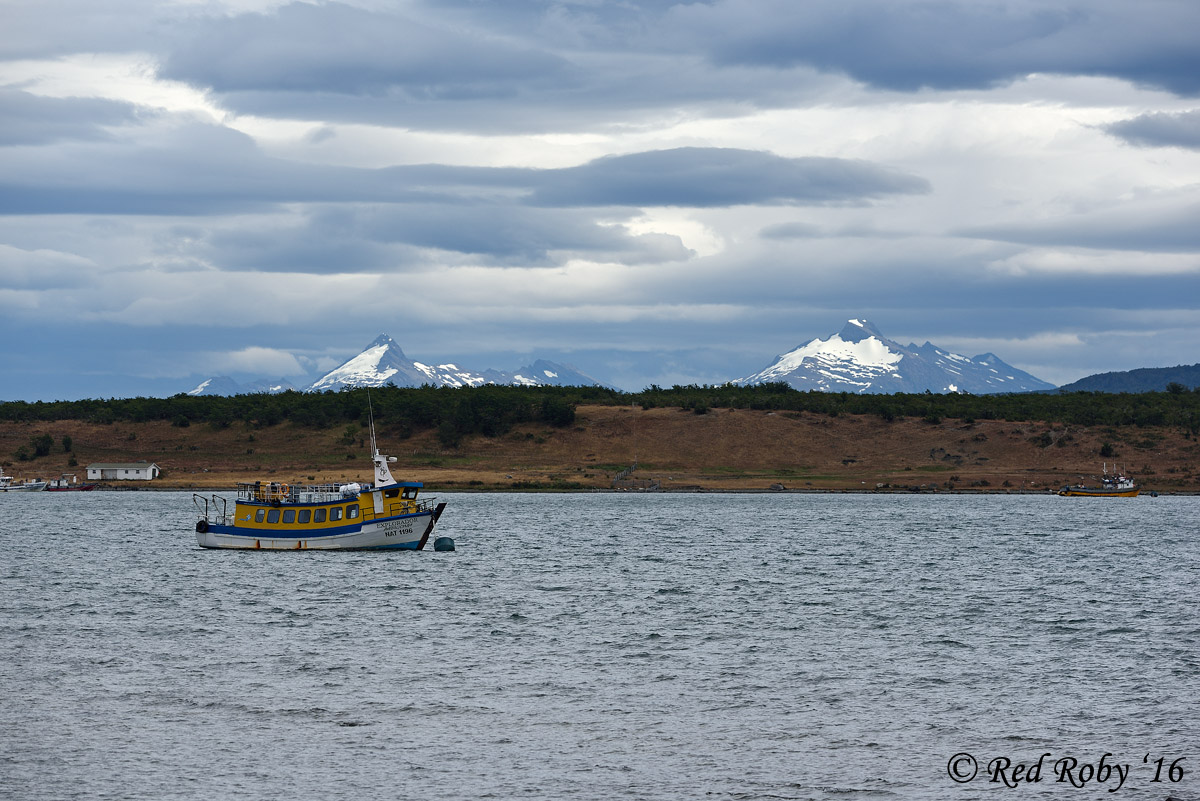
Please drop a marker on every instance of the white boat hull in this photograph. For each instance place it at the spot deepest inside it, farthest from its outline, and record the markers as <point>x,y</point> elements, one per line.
<point>31,486</point>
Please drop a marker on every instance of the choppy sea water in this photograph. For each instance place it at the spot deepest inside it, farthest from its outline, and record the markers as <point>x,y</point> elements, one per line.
<point>600,646</point>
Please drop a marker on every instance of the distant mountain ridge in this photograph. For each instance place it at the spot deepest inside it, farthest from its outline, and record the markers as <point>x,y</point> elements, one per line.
<point>542,373</point>
<point>383,362</point>
<point>1144,379</point>
<point>857,359</point>
<point>860,359</point>
<point>224,385</point>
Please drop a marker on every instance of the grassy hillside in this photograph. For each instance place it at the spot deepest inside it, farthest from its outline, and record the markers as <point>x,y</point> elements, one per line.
<point>712,448</point>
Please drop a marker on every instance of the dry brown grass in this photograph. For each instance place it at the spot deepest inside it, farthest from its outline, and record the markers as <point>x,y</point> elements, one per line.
<point>724,449</point>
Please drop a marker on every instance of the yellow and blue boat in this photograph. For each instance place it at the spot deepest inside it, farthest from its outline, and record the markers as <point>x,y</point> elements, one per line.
<point>385,515</point>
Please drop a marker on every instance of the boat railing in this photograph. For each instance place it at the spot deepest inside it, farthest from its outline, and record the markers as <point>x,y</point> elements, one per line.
<point>275,493</point>
<point>213,509</point>
<point>282,492</point>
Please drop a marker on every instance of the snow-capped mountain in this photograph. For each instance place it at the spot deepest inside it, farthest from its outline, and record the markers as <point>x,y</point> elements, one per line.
<point>224,385</point>
<point>383,362</point>
<point>540,374</point>
<point>860,359</point>
<point>217,385</point>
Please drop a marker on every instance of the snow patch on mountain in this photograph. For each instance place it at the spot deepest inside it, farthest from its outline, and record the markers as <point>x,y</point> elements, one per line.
<point>868,354</point>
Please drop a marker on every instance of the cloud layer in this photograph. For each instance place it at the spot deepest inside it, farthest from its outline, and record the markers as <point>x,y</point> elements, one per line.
<point>653,191</point>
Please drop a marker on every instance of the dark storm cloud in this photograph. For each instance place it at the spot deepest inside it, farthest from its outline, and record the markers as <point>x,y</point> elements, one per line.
<point>801,230</point>
<point>27,119</point>
<point>1163,129</point>
<point>517,234</point>
<point>340,49</point>
<point>49,28</point>
<point>319,244</point>
<point>1147,227</point>
<point>378,219</point>
<point>393,237</point>
<point>550,66</point>
<point>708,177</point>
<point>194,168</point>
<point>485,68</point>
<point>948,44</point>
<point>792,230</point>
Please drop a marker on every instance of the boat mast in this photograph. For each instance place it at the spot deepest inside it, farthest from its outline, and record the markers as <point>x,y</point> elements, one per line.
<point>383,476</point>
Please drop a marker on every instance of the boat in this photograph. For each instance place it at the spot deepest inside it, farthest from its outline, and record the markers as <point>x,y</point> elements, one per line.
<point>383,515</point>
<point>69,482</point>
<point>1116,485</point>
<point>10,484</point>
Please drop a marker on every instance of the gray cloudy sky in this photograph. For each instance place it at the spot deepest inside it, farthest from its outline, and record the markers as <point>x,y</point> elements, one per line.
<point>654,192</point>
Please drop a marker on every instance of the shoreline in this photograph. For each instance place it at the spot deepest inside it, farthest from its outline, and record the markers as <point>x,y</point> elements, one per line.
<point>1152,493</point>
<point>623,449</point>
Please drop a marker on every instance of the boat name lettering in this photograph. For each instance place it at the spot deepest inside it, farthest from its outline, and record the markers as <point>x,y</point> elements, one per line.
<point>394,528</point>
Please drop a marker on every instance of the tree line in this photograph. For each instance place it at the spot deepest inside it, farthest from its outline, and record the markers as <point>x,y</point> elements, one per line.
<point>493,410</point>
<point>487,410</point>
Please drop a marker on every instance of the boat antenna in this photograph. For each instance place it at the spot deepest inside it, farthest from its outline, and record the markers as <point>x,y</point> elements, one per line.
<point>383,476</point>
<point>371,420</point>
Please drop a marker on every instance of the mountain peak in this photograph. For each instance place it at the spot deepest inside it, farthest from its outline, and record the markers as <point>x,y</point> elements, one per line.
<point>861,359</point>
<point>377,365</point>
<point>382,339</point>
<point>856,330</point>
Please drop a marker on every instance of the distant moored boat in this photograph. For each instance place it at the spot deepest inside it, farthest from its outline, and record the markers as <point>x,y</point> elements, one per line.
<point>1114,486</point>
<point>69,482</point>
<point>10,484</point>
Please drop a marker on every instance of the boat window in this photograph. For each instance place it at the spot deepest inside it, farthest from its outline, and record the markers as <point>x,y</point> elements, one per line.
<point>305,516</point>
<point>259,515</point>
<point>335,513</point>
<point>273,516</point>
<point>351,512</point>
<point>318,515</point>
<point>289,515</point>
<point>410,492</point>
<point>392,493</point>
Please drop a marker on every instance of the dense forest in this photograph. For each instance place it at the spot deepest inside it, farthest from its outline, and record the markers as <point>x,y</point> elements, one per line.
<point>493,410</point>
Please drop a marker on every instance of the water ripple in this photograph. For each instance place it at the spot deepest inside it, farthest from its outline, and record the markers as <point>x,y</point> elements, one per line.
<point>597,646</point>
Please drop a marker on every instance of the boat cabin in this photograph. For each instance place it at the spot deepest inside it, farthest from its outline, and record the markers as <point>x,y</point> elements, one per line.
<point>269,504</point>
